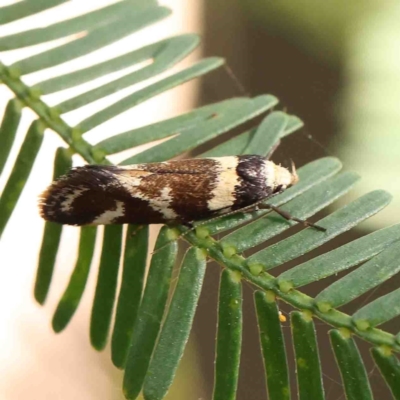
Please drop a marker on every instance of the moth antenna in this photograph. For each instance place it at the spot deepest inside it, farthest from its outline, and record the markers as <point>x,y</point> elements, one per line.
<point>237,81</point>
<point>293,171</point>
<point>311,138</point>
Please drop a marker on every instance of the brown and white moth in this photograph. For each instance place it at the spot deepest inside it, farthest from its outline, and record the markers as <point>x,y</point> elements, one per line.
<point>172,192</point>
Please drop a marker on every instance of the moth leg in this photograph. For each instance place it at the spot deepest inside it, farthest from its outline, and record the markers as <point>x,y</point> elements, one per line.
<point>289,217</point>
<point>136,230</point>
<point>188,224</point>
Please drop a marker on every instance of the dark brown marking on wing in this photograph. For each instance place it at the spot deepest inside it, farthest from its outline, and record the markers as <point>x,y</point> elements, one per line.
<point>190,191</point>
<point>138,211</point>
<point>93,190</point>
<point>252,187</point>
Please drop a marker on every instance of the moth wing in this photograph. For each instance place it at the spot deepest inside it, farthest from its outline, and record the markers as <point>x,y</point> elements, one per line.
<point>97,195</point>
<point>180,189</point>
<point>196,188</point>
<point>168,192</point>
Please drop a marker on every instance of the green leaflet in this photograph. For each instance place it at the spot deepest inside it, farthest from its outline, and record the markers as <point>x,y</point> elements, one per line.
<point>229,336</point>
<point>150,314</point>
<point>163,55</point>
<point>181,124</point>
<point>65,28</point>
<point>389,367</point>
<point>175,330</point>
<point>106,287</point>
<point>309,377</point>
<point>51,236</point>
<point>73,293</point>
<point>351,367</point>
<point>240,143</point>
<point>344,257</point>
<point>28,7</point>
<point>338,222</point>
<point>366,277</point>
<point>114,27</point>
<point>20,173</point>
<point>272,346</point>
<point>198,69</point>
<point>130,295</point>
<point>202,132</point>
<point>8,129</point>
<point>378,311</point>
<point>267,134</point>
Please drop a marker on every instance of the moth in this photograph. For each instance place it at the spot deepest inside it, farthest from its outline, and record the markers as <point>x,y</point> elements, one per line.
<point>171,192</point>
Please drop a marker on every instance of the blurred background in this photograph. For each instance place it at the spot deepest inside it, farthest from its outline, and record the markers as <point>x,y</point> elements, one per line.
<point>335,64</point>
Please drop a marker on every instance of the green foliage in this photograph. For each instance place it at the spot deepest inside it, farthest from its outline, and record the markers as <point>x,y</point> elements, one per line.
<point>73,293</point>
<point>148,338</point>
<point>229,336</point>
<point>135,256</point>
<point>51,235</point>
<point>272,345</point>
<point>176,327</point>
<point>351,366</point>
<point>309,377</point>
<point>150,314</point>
<point>106,288</point>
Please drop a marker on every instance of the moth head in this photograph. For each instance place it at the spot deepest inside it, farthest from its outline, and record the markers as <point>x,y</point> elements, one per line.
<point>282,177</point>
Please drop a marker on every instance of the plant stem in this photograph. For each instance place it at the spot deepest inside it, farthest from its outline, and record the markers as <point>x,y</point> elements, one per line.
<point>293,297</point>
<point>50,116</point>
